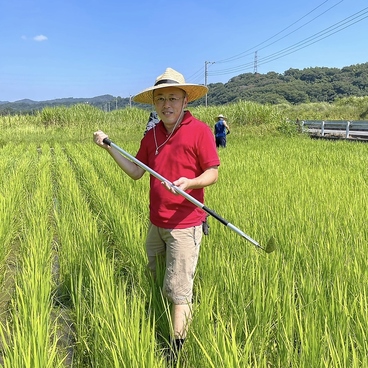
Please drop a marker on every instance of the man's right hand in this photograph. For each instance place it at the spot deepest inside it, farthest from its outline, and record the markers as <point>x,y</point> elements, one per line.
<point>98,138</point>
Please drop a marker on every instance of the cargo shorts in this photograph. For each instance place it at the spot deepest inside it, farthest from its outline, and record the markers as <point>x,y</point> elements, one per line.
<point>178,251</point>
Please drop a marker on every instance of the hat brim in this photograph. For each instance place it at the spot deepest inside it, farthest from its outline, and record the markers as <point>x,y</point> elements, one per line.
<point>193,91</point>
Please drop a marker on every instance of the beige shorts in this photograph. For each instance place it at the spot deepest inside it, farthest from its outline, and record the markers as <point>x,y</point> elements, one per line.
<point>178,251</point>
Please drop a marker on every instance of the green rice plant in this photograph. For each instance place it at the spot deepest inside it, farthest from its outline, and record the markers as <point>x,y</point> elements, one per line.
<point>95,282</point>
<point>12,192</point>
<point>14,169</point>
<point>31,326</point>
<point>303,305</point>
<point>7,200</point>
<point>90,264</point>
<point>313,216</point>
<point>123,333</point>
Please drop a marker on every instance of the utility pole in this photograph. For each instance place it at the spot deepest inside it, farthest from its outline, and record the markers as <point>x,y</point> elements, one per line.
<point>255,63</point>
<point>130,101</point>
<point>205,74</point>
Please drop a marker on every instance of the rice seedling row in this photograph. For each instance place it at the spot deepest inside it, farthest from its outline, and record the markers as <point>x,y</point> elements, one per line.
<point>28,336</point>
<point>105,305</point>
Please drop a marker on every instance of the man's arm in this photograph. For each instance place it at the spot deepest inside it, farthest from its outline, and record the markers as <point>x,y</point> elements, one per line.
<point>227,127</point>
<point>129,167</point>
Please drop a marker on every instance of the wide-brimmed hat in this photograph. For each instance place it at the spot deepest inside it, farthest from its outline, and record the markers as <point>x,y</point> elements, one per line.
<point>220,116</point>
<point>171,78</point>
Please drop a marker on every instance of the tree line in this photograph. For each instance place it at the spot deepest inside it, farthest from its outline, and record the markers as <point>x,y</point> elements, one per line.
<point>294,86</point>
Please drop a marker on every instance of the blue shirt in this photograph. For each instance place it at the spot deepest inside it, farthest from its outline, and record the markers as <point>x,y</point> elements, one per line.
<point>220,129</point>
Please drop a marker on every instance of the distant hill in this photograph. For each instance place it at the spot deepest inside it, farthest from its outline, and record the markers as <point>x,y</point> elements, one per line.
<point>67,100</point>
<point>318,84</point>
<point>294,86</point>
<point>104,102</point>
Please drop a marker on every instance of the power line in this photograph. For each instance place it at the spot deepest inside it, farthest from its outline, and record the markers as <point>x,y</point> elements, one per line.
<point>197,76</point>
<point>245,53</point>
<point>311,40</point>
<point>297,29</point>
<point>327,32</point>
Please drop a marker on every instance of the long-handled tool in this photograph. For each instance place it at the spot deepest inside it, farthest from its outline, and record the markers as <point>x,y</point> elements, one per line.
<point>270,247</point>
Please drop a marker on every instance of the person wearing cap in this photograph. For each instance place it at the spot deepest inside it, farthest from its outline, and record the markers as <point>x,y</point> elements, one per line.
<point>181,148</point>
<point>221,130</point>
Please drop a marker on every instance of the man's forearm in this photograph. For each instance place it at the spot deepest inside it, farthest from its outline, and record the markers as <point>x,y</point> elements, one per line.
<point>129,167</point>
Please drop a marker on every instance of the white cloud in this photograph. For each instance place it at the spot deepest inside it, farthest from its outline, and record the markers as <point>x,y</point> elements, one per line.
<point>40,38</point>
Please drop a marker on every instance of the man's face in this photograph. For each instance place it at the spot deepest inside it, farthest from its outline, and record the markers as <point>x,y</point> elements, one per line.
<point>169,103</point>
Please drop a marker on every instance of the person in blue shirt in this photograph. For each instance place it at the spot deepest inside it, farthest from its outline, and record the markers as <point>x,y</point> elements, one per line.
<point>221,131</point>
<point>152,121</point>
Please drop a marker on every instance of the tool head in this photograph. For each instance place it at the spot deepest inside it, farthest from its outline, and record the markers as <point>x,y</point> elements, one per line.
<point>271,245</point>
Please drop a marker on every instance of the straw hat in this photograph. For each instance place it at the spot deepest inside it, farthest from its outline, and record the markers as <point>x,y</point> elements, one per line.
<point>220,116</point>
<point>171,78</point>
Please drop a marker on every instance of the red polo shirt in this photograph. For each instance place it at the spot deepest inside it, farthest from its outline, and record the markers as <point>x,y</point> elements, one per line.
<point>188,153</point>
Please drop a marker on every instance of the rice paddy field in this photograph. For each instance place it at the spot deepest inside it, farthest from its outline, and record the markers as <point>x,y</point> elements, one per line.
<point>74,286</point>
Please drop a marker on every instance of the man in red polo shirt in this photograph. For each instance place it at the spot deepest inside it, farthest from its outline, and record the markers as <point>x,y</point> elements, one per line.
<point>182,149</point>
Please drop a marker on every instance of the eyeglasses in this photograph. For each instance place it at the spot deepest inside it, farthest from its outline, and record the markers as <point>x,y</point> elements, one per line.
<point>161,100</point>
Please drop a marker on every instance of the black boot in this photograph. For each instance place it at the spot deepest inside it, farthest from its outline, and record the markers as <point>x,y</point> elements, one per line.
<point>174,350</point>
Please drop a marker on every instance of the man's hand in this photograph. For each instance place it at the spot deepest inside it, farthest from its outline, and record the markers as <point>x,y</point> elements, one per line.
<point>182,183</point>
<point>98,138</point>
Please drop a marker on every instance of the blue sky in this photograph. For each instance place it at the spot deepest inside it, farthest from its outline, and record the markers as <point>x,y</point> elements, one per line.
<point>70,48</point>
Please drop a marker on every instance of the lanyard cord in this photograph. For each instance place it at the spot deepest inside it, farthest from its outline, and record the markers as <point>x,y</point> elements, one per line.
<point>171,133</point>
